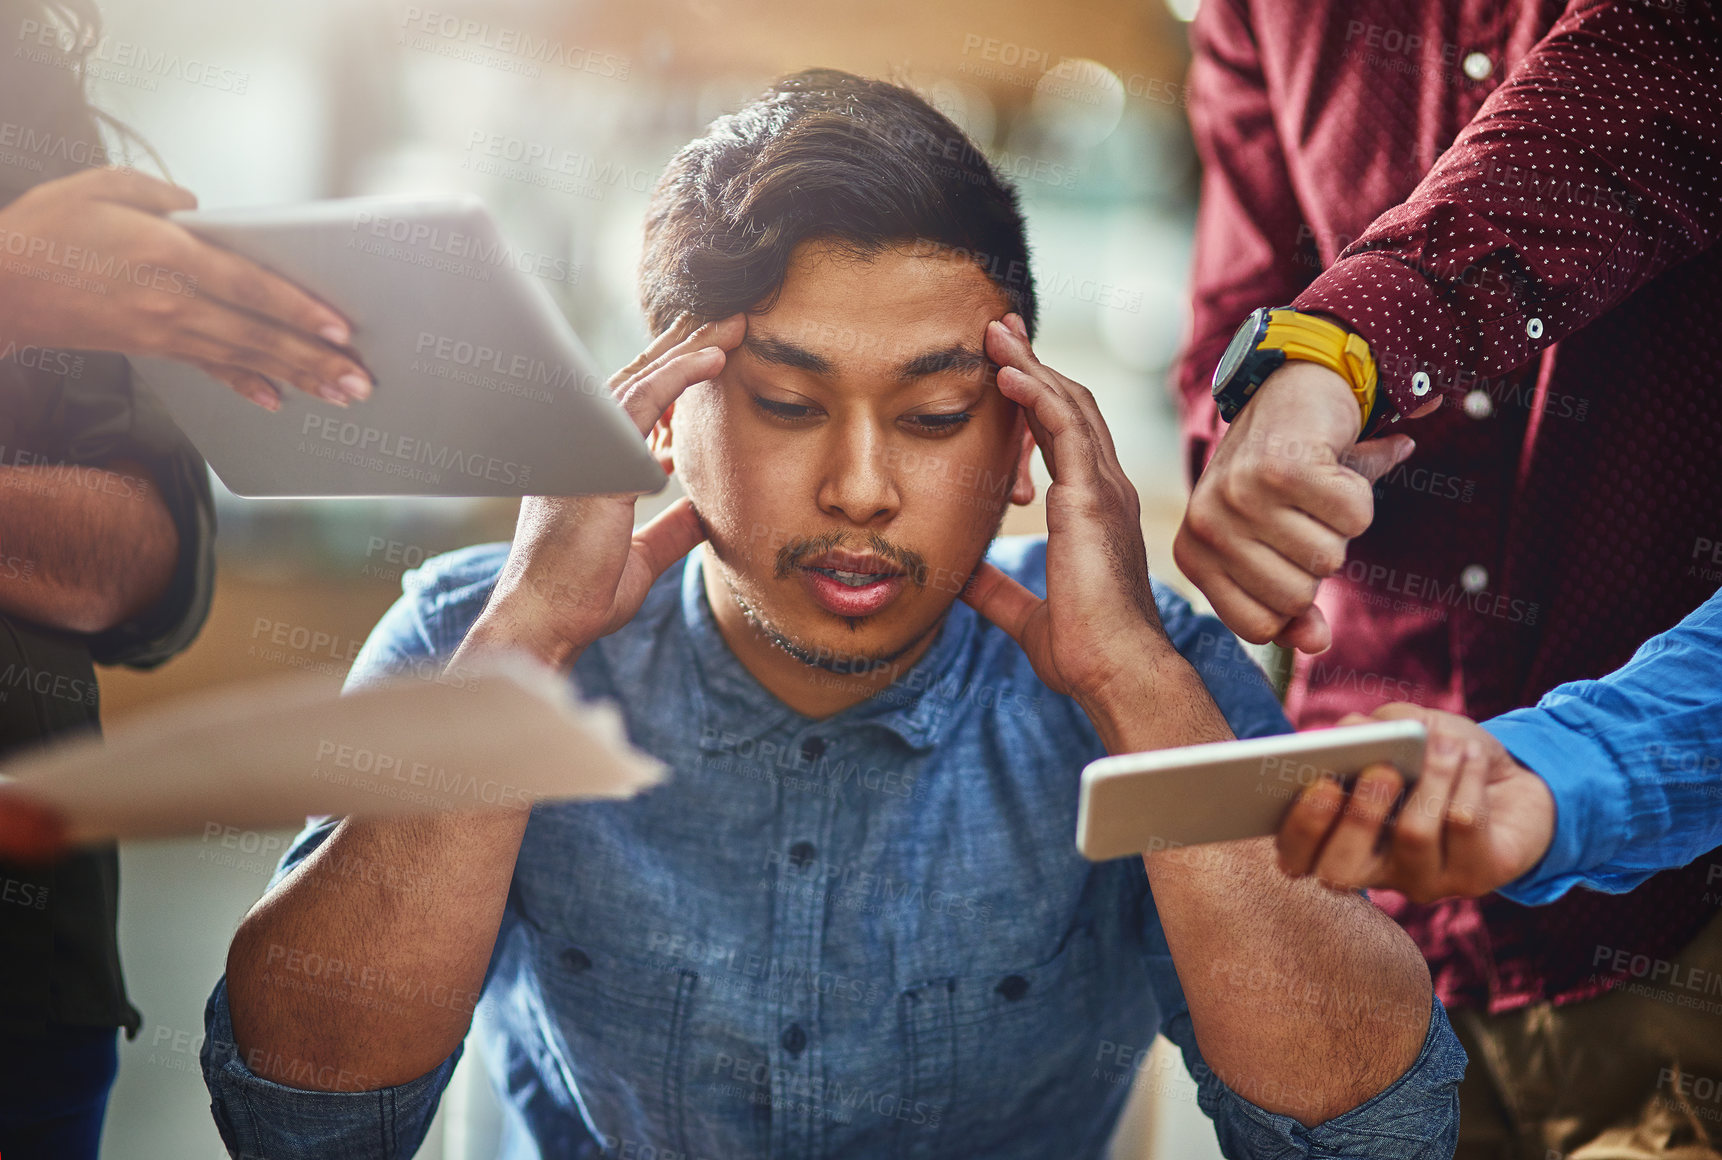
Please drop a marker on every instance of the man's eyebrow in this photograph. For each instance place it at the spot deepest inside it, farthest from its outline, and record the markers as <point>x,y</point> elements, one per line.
<point>951,358</point>
<point>786,354</point>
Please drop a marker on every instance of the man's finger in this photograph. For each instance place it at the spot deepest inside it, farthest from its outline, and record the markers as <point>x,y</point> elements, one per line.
<point>725,333</point>
<point>1374,458</point>
<point>1467,818</point>
<point>1351,856</point>
<point>669,535</point>
<point>1419,832</point>
<point>1307,632</point>
<point>646,398</point>
<point>138,190</point>
<point>1306,825</point>
<point>1001,599</point>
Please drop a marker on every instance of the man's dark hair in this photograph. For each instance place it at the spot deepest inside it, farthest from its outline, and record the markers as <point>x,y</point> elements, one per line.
<point>822,155</point>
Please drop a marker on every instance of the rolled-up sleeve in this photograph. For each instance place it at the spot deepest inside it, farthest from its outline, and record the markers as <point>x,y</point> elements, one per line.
<point>262,1120</point>
<point>1414,1118</point>
<point>112,419</point>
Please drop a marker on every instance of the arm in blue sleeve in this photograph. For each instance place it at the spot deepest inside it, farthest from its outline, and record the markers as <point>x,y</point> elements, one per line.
<point>1634,761</point>
<point>258,1118</point>
<point>1414,1118</point>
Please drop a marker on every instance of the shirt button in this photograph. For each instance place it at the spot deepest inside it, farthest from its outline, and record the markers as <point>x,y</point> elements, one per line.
<point>1012,987</point>
<point>575,959</point>
<point>1534,328</point>
<point>801,854</point>
<point>794,1039</point>
<point>1420,384</point>
<point>813,748</point>
<point>1478,66</point>
<point>1479,405</point>
<point>1474,578</point>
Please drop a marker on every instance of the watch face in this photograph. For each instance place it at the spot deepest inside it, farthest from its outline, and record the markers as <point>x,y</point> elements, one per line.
<point>1243,342</point>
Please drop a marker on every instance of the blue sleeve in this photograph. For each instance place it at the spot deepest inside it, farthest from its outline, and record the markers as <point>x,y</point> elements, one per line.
<point>256,1116</point>
<point>1634,761</point>
<point>1234,680</point>
<point>1414,1118</point>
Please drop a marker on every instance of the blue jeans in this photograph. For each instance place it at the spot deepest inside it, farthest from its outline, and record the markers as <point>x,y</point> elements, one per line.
<point>54,1092</point>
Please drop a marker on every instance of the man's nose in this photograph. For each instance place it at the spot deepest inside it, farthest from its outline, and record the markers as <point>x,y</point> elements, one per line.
<point>858,482</point>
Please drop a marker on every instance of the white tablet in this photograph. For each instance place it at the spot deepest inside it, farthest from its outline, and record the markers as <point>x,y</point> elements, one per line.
<point>482,387</point>
<point>1138,803</point>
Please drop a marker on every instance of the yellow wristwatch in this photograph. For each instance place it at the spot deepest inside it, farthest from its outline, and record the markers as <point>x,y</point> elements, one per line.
<point>1273,334</point>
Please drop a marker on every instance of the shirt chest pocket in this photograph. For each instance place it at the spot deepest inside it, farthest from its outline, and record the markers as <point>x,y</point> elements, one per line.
<point>622,1020</point>
<point>986,1051</point>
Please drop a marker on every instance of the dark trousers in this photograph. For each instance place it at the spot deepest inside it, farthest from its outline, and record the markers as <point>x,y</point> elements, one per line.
<point>1632,1075</point>
<point>54,1092</point>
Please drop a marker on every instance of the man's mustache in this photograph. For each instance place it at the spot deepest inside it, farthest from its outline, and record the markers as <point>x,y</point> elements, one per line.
<point>912,563</point>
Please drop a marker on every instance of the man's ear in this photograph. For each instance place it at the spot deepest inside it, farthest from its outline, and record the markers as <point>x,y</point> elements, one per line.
<point>658,440</point>
<point>1022,491</point>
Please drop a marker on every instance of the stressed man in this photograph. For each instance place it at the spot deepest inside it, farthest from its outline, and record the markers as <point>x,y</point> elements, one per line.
<point>853,922</point>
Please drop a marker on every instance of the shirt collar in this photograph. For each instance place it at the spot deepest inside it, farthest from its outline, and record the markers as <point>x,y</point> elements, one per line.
<point>732,703</point>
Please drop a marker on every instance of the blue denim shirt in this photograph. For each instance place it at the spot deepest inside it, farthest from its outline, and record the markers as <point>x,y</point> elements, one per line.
<point>868,935</point>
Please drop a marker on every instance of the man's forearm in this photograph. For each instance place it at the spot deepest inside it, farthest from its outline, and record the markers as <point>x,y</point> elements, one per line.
<point>83,548</point>
<point>1305,1001</point>
<point>366,963</point>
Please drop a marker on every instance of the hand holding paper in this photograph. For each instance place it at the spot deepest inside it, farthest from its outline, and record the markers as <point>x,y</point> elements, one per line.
<point>498,736</point>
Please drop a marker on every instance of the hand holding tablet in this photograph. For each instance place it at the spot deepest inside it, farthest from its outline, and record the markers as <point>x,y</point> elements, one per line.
<point>482,388</point>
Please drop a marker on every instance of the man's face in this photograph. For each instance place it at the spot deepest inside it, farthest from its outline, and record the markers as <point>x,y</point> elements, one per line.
<point>855,457</point>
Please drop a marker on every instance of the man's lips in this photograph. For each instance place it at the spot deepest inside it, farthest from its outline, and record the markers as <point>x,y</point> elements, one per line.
<point>850,585</point>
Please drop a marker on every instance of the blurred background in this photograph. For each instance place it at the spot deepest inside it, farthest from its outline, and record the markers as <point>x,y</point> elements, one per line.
<point>254,102</point>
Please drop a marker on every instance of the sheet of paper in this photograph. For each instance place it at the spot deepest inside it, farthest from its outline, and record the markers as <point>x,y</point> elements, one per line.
<point>497,736</point>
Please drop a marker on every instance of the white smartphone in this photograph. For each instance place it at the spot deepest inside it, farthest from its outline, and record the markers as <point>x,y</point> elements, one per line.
<point>1137,803</point>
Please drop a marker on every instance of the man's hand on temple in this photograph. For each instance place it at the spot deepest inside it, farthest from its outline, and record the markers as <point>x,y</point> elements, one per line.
<point>577,569</point>
<point>1097,631</point>
<point>1475,820</point>
<point>1287,489</point>
<point>1226,912</point>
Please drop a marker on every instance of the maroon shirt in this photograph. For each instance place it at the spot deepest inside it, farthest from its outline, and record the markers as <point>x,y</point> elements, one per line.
<point>1516,204</point>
